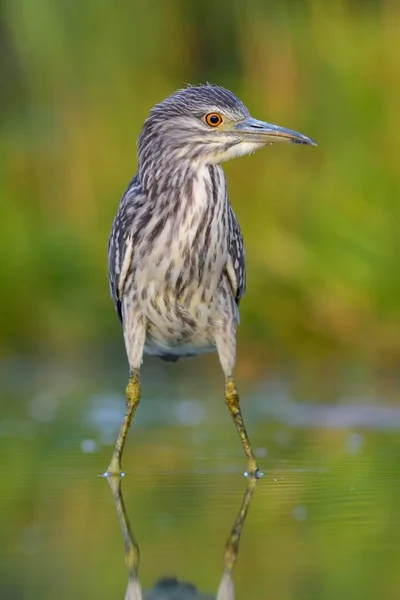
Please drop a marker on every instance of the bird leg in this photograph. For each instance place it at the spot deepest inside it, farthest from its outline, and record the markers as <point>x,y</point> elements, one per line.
<point>132,552</point>
<point>232,401</point>
<point>132,400</point>
<point>232,544</point>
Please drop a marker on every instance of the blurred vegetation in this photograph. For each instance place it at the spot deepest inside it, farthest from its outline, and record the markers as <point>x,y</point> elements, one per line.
<point>320,225</point>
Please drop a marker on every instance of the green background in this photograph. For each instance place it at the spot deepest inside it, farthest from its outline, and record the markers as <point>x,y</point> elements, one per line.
<point>319,341</point>
<point>320,224</point>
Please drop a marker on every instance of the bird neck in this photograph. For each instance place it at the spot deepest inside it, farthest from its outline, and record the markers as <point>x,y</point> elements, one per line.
<point>170,179</point>
<point>160,173</point>
<point>167,165</point>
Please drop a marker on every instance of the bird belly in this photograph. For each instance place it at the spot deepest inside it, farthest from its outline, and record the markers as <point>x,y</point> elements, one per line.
<point>178,274</point>
<point>181,301</point>
<point>179,326</point>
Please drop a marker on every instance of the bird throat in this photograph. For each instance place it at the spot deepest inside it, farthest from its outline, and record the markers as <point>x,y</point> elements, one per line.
<point>187,240</point>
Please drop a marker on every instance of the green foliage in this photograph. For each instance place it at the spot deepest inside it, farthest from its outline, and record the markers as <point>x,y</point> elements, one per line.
<point>320,224</point>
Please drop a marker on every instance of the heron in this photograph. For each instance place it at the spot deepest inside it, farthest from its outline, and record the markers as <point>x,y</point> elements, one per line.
<point>176,257</point>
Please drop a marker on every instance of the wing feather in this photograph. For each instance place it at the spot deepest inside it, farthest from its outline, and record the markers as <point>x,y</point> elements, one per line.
<point>121,242</point>
<point>236,266</point>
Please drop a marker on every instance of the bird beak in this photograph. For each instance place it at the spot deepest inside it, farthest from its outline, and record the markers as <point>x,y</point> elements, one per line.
<point>260,132</point>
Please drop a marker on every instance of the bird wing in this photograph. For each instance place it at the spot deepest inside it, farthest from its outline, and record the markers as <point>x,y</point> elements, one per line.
<point>236,266</point>
<point>121,243</point>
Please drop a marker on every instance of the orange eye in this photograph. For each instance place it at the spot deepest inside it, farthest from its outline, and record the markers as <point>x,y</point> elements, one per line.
<point>213,119</point>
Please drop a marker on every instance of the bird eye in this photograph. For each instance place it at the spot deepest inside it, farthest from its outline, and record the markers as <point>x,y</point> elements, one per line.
<point>213,119</point>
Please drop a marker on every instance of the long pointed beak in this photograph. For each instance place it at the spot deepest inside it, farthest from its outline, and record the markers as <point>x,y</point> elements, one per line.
<point>266,133</point>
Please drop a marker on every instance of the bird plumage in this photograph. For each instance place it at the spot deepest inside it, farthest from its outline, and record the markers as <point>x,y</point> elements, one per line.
<point>175,243</point>
<point>175,256</point>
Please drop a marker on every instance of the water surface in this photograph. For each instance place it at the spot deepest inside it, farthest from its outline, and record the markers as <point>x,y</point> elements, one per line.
<point>323,522</point>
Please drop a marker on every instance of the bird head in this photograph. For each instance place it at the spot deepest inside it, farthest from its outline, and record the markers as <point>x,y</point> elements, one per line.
<point>207,125</point>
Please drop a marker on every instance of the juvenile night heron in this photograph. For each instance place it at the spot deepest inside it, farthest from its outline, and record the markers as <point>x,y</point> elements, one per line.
<point>176,257</point>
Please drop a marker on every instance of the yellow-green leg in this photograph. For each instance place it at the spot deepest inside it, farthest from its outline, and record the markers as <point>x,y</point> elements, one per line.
<point>132,400</point>
<point>232,544</point>
<point>226,586</point>
<point>132,553</point>
<point>232,401</point>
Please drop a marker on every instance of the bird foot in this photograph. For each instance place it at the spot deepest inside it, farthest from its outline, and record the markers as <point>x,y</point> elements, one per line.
<point>254,473</point>
<point>107,474</point>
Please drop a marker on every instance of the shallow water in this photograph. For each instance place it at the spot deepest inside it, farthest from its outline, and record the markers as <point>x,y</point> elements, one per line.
<point>323,522</point>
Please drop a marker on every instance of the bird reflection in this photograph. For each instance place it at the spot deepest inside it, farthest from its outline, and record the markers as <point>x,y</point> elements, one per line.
<point>170,588</point>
